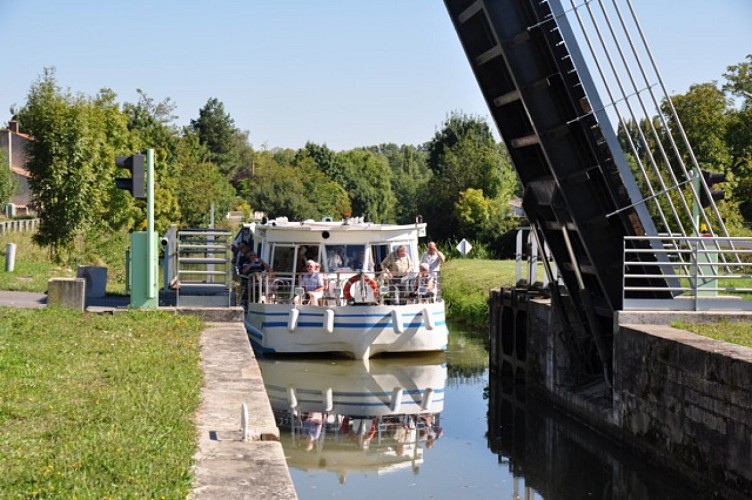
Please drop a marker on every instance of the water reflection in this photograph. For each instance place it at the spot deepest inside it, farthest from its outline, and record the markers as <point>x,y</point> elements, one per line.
<point>560,458</point>
<point>345,416</point>
<point>345,424</point>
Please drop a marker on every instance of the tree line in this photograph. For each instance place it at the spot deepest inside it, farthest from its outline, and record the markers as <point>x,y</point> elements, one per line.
<point>460,180</point>
<point>717,120</point>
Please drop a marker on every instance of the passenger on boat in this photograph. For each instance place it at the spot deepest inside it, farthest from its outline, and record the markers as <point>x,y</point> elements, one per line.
<point>238,252</point>
<point>334,261</point>
<point>433,257</point>
<point>396,270</point>
<point>311,428</point>
<point>250,263</point>
<point>397,264</point>
<point>425,285</point>
<point>356,262</point>
<point>313,283</point>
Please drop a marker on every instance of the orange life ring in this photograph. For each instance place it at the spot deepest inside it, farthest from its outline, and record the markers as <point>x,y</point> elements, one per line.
<point>367,280</point>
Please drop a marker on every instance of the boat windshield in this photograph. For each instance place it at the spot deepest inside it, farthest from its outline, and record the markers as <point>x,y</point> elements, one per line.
<point>345,257</point>
<point>285,255</point>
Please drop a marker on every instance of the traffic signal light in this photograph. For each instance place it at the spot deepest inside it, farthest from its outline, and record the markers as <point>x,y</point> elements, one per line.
<point>136,183</point>
<point>711,179</point>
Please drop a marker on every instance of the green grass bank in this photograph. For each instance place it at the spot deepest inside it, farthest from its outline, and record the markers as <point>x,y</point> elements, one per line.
<point>466,284</point>
<point>97,406</point>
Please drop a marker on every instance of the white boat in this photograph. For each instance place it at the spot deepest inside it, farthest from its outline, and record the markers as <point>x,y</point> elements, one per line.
<point>369,416</point>
<point>362,312</point>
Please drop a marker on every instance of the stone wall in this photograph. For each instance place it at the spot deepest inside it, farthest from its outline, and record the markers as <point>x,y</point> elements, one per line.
<point>688,397</point>
<point>676,398</point>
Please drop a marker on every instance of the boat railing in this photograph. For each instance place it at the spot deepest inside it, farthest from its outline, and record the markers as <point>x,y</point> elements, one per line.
<point>282,288</point>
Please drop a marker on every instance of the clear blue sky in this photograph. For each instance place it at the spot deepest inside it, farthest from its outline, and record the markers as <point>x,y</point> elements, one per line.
<point>346,73</point>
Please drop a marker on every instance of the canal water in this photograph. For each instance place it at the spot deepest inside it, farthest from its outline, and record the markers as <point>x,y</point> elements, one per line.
<point>439,427</point>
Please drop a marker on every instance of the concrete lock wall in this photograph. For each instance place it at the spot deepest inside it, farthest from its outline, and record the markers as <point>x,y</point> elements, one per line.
<point>688,396</point>
<point>680,398</point>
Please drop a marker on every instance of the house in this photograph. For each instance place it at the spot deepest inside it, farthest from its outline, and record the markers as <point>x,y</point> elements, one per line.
<point>13,150</point>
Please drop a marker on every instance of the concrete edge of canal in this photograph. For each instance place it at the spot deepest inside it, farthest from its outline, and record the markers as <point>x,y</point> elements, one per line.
<point>225,465</point>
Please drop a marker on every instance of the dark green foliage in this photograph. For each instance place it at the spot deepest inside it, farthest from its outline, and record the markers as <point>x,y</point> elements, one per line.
<point>297,190</point>
<point>410,174</point>
<point>463,155</point>
<point>227,146</point>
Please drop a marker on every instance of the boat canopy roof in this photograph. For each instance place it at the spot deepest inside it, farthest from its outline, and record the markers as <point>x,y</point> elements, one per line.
<point>343,231</point>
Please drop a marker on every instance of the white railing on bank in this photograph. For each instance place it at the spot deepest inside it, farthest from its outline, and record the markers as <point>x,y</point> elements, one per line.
<point>18,225</point>
<point>700,273</point>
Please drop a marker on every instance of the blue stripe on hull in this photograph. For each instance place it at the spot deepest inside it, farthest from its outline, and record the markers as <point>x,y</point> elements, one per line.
<point>275,323</point>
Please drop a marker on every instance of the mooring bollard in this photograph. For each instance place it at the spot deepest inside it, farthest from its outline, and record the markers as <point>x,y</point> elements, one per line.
<point>10,257</point>
<point>244,431</point>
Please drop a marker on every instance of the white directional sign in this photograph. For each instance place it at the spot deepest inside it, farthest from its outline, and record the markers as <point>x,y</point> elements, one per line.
<point>464,247</point>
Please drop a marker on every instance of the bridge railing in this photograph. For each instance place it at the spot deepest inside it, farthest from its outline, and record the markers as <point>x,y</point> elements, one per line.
<point>706,273</point>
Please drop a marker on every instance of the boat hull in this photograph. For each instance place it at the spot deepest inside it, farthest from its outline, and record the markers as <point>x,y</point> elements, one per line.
<point>358,331</point>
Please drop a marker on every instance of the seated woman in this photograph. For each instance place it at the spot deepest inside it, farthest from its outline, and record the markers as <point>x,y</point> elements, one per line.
<point>313,283</point>
<point>425,285</point>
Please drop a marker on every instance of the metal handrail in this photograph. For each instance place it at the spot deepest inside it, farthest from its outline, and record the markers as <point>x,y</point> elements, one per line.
<point>699,268</point>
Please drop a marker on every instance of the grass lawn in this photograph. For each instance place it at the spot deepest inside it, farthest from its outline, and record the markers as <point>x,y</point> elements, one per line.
<point>97,406</point>
<point>33,267</point>
<point>735,333</point>
<point>466,283</point>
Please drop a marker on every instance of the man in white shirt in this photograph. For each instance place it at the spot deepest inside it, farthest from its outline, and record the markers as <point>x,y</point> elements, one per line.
<point>433,257</point>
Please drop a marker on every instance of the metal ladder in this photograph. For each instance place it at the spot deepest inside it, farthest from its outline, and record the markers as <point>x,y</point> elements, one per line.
<point>204,268</point>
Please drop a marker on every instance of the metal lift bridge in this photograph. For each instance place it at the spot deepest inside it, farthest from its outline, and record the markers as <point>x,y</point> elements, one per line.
<point>580,193</point>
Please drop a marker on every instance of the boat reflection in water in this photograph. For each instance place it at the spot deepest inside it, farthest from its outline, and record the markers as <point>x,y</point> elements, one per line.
<point>367,416</point>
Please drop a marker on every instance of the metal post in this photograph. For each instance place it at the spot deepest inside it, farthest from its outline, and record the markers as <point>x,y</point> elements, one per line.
<point>696,201</point>
<point>150,236</point>
<point>128,270</point>
<point>10,257</point>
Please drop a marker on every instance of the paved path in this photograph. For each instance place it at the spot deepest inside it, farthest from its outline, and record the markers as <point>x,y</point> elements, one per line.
<point>22,299</point>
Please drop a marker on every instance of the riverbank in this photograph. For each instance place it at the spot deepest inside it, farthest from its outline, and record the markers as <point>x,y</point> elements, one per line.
<point>466,284</point>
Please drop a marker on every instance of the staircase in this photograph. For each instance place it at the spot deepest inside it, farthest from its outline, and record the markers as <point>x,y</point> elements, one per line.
<point>204,268</point>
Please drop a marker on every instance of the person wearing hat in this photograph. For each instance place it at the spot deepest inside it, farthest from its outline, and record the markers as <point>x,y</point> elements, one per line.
<point>425,285</point>
<point>313,283</point>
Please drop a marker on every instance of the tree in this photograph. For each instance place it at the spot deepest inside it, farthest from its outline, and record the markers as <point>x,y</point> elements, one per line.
<point>739,133</point>
<point>707,116</point>
<point>71,160</point>
<point>409,176</point>
<point>228,147</point>
<point>366,178</point>
<point>463,155</point>
<point>702,111</point>
<point>364,175</point>
<point>298,190</point>
<point>200,185</point>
